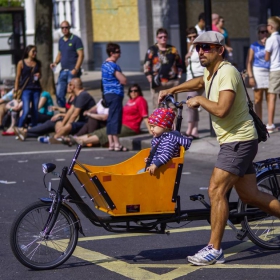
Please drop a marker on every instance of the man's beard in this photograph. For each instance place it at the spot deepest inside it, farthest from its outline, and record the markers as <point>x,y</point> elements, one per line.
<point>205,63</point>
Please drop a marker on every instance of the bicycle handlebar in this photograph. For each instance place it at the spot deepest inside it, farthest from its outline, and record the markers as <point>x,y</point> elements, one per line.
<point>170,99</point>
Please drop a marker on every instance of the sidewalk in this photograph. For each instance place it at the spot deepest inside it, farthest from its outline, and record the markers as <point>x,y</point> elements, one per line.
<point>206,144</point>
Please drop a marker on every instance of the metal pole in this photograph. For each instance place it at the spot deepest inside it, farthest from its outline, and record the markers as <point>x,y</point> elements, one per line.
<point>208,26</point>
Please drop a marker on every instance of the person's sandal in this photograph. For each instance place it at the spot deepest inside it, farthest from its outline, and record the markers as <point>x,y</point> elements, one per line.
<point>121,149</point>
<point>111,148</point>
<point>76,140</point>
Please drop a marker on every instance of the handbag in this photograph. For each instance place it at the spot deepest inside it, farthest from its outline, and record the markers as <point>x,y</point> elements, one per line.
<point>259,125</point>
<point>18,93</point>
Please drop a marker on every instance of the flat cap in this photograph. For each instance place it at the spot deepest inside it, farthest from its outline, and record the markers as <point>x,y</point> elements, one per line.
<point>210,37</point>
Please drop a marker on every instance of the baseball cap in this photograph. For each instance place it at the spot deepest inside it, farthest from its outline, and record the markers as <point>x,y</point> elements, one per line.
<point>210,37</point>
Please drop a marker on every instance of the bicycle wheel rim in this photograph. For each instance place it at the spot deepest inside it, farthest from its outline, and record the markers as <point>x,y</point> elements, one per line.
<point>264,231</point>
<point>37,251</point>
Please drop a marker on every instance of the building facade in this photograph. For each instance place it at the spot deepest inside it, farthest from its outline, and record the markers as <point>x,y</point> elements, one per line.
<point>133,24</point>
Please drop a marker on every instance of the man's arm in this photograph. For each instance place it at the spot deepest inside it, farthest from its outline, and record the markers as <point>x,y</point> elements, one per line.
<point>74,115</point>
<point>219,109</point>
<point>191,85</point>
<point>68,115</point>
<point>267,56</point>
<point>148,65</point>
<point>79,62</point>
<point>80,59</point>
<point>57,60</point>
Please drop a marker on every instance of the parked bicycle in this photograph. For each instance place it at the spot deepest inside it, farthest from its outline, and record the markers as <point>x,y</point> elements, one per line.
<point>45,234</point>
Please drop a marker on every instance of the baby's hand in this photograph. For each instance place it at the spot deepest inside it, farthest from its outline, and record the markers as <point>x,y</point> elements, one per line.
<point>145,159</point>
<point>152,168</point>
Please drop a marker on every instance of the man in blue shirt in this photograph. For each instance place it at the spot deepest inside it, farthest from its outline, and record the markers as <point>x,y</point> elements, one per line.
<point>70,55</point>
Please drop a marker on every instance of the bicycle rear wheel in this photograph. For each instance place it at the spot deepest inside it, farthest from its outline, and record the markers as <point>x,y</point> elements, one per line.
<point>36,250</point>
<point>264,229</point>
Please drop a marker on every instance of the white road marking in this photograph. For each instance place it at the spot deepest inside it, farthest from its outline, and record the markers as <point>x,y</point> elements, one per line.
<point>6,182</point>
<point>186,173</point>
<point>50,152</point>
<point>60,159</point>
<point>22,161</point>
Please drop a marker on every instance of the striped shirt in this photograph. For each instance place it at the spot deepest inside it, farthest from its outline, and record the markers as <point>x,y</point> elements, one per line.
<point>169,146</point>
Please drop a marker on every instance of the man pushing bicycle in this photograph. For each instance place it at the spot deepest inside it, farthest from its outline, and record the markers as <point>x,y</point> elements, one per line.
<point>226,102</point>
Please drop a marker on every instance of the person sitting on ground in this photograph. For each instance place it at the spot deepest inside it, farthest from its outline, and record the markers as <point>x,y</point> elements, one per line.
<point>45,107</point>
<point>7,97</point>
<point>13,110</point>
<point>165,142</point>
<point>43,129</point>
<point>74,118</point>
<point>97,118</point>
<point>135,110</point>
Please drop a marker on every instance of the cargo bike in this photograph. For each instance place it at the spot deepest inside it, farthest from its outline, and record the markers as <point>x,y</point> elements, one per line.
<point>45,234</point>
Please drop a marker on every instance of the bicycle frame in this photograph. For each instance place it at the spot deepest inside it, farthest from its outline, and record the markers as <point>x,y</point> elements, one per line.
<point>112,223</point>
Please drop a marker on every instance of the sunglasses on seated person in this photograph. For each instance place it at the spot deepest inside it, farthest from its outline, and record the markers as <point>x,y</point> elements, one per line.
<point>205,47</point>
<point>133,90</point>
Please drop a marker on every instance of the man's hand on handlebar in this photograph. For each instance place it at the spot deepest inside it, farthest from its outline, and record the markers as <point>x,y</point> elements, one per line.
<point>162,94</point>
<point>193,102</point>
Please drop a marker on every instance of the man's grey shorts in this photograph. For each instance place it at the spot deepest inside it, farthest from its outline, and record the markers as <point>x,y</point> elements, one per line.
<point>237,157</point>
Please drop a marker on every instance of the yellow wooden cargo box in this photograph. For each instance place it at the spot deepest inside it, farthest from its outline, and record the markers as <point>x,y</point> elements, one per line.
<point>118,190</point>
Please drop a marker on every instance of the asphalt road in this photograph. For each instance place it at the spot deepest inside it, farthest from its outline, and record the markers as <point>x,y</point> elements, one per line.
<point>104,255</point>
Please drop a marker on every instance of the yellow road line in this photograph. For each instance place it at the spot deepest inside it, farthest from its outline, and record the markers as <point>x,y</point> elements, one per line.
<point>123,235</point>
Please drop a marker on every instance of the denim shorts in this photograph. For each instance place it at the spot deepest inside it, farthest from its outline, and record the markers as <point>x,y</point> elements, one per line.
<point>237,157</point>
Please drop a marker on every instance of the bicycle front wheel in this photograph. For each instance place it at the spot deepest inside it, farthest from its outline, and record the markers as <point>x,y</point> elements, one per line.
<point>264,229</point>
<point>36,250</point>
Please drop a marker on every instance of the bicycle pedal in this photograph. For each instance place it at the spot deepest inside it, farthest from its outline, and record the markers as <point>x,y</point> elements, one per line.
<point>196,197</point>
<point>241,234</point>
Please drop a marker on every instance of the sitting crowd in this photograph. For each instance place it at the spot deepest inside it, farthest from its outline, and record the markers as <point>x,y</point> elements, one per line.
<point>82,121</point>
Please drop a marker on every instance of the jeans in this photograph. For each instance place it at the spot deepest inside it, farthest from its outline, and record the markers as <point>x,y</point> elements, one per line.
<point>30,95</point>
<point>41,129</point>
<point>64,78</point>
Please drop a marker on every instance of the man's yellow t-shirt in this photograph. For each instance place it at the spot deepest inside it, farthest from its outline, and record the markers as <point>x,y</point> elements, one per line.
<point>238,125</point>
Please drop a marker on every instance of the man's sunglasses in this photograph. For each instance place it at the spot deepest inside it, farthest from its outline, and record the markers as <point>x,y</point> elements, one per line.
<point>64,27</point>
<point>263,32</point>
<point>160,37</point>
<point>205,47</point>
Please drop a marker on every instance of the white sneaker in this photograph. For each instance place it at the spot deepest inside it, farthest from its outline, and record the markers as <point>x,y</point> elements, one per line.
<point>208,255</point>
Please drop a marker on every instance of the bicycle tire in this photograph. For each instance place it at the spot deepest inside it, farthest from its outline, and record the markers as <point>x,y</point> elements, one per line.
<point>39,252</point>
<point>264,230</point>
